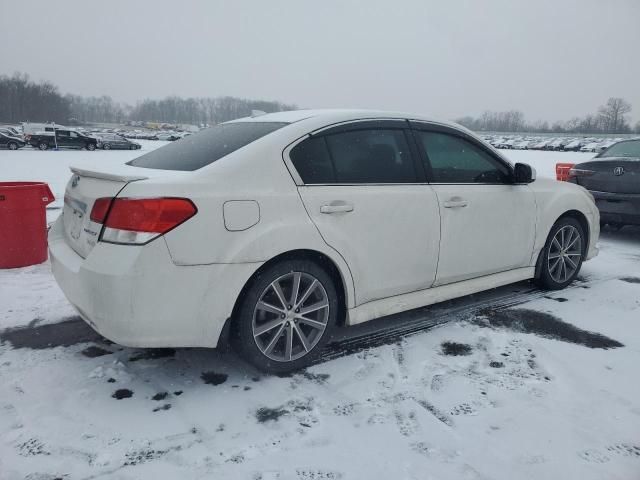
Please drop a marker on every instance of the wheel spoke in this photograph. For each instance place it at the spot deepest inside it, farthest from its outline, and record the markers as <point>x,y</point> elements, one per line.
<point>274,340</point>
<point>308,292</point>
<point>556,243</point>
<point>302,337</point>
<point>573,264</point>
<point>573,242</point>
<point>295,288</point>
<point>563,267</point>
<point>267,307</point>
<point>278,289</point>
<point>567,240</point>
<point>555,265</point>
<point>288,343</point>
<point>314,308</point>
<point>265,327</point>
<point>311,322</point>
<point>555,255</point>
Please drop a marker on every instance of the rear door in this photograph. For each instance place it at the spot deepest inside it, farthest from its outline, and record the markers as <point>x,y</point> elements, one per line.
<point>63,139</point>
<point>487,222</point>
<point>364,189</point>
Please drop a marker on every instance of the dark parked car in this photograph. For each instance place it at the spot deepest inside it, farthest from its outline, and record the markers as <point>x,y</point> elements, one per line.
<point>110,141</point>
<point>613,178</point>
<point>12,143</point>
<point>62,139</point>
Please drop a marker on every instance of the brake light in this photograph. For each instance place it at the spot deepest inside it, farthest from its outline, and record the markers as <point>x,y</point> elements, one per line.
<point>140,220</point>
<point>100,209</point>
<point>562,171</point>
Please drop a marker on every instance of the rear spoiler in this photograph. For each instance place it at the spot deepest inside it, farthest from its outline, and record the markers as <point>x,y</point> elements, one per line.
<point>114,177</point>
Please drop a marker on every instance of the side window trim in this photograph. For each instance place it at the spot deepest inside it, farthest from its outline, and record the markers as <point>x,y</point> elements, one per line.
<point>356,125</point>
<point>435,128</point>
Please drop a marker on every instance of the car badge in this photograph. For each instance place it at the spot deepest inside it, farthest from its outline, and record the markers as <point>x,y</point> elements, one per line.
<point>75,181</point>
<point>618,171</point>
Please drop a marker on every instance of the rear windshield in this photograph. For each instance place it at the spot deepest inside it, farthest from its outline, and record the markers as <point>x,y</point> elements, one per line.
<point>204,148</point>
<point>629,148</point>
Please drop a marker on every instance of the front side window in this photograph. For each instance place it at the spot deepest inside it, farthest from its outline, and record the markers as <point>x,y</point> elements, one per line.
<point>452,159</point>
<point>371,156</point>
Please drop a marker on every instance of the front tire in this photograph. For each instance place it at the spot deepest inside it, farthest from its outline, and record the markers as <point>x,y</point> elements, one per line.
<point>12,146</point>
<point>562,255</point>
<point>91,147</point>
<point>286,317</point>
<point>106,146</point>
<point>43,146</point>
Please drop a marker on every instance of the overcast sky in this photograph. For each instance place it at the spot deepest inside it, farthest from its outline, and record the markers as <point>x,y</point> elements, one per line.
<point>552,59</point>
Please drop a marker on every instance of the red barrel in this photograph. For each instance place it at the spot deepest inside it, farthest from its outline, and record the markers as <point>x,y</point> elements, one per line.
<point>23,223</point>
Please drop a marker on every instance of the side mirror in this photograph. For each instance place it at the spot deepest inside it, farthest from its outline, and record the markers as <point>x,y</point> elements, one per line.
<point>523,173</point>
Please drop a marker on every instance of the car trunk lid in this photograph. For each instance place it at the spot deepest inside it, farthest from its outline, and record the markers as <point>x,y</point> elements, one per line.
<point>86,185</point>
<point>613,175</point>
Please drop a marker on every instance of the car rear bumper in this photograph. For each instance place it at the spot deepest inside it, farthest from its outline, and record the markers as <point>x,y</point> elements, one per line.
<point>136,296</point>
<point>621,208</point>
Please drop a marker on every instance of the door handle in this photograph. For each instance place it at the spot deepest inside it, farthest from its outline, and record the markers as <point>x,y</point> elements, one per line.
<point>340,208</point>
<point>455,202</point>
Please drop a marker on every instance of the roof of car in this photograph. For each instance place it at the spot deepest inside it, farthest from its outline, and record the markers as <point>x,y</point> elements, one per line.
<point>335,115</point>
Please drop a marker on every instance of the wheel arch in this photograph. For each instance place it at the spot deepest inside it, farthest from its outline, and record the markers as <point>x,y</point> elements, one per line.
<point>584,223</point>
<point>300,254</point>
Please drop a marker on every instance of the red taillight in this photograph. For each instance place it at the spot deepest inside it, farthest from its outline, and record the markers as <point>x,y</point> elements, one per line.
<point>562,171</point>
<point>140,220</point>
<point>151,215</point>
<point>100,209</point>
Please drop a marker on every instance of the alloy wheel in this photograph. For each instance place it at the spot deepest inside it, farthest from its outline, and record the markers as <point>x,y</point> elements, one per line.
<point>290,316</point>
<point>564,254</point>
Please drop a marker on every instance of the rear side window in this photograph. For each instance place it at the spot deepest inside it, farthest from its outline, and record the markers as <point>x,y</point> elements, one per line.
<point>371,156</point>
<point>312,161</point>
<point>199,150</point>
<point>455,160</point>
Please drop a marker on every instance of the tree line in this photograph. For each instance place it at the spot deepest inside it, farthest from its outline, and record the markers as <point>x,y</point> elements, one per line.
<point>611,118</point>
<point>22,99</point>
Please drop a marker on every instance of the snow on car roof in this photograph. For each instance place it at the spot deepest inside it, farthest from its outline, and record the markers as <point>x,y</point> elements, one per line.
<point>335,114</point>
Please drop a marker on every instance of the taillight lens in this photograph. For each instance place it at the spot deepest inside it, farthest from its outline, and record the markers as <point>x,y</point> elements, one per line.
<point>100,209</point>
<point>579,172</point>
<point>140,220</point>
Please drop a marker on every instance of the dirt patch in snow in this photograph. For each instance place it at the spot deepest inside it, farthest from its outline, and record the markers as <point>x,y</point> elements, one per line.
<point>630,279</point>
<point>544,325</point>
<point>213,378</point>
<point>160,396</point>
<point>152,354</point>
<point>456,349</point>
<point>266,414</point>
<point>63,334</point>
<point>94,351</point>
<point>122,393</point>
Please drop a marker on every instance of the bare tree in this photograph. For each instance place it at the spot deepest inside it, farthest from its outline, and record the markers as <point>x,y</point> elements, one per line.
<point>613,115</point>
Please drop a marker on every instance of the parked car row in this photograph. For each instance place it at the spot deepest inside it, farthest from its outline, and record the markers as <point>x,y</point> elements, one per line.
<point>563,144</point>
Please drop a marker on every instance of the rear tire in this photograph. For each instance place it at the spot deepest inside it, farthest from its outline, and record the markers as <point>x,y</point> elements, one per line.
<point>43,146</point>
<point>562,255</point>
<point>12,146</point>
<point>272,330</point>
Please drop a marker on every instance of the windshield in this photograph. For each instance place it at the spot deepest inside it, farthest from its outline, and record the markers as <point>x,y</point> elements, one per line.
<point>630,148</point>
<point>204,148</point>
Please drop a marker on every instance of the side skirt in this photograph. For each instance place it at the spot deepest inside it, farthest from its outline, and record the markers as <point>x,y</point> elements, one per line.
<point>408,301</point>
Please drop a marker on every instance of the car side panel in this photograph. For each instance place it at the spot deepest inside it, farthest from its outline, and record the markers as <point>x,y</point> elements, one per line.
<point>553,200</point>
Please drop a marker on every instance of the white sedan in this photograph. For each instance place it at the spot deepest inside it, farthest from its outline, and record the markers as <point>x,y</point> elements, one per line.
<point>288,225</point>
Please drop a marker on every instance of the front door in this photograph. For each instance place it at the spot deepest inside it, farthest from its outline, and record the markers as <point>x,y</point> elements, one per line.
<point>363,191</point>
<point>487,221</point>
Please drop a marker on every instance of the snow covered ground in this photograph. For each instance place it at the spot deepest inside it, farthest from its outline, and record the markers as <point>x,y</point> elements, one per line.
<point>511,384</point>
